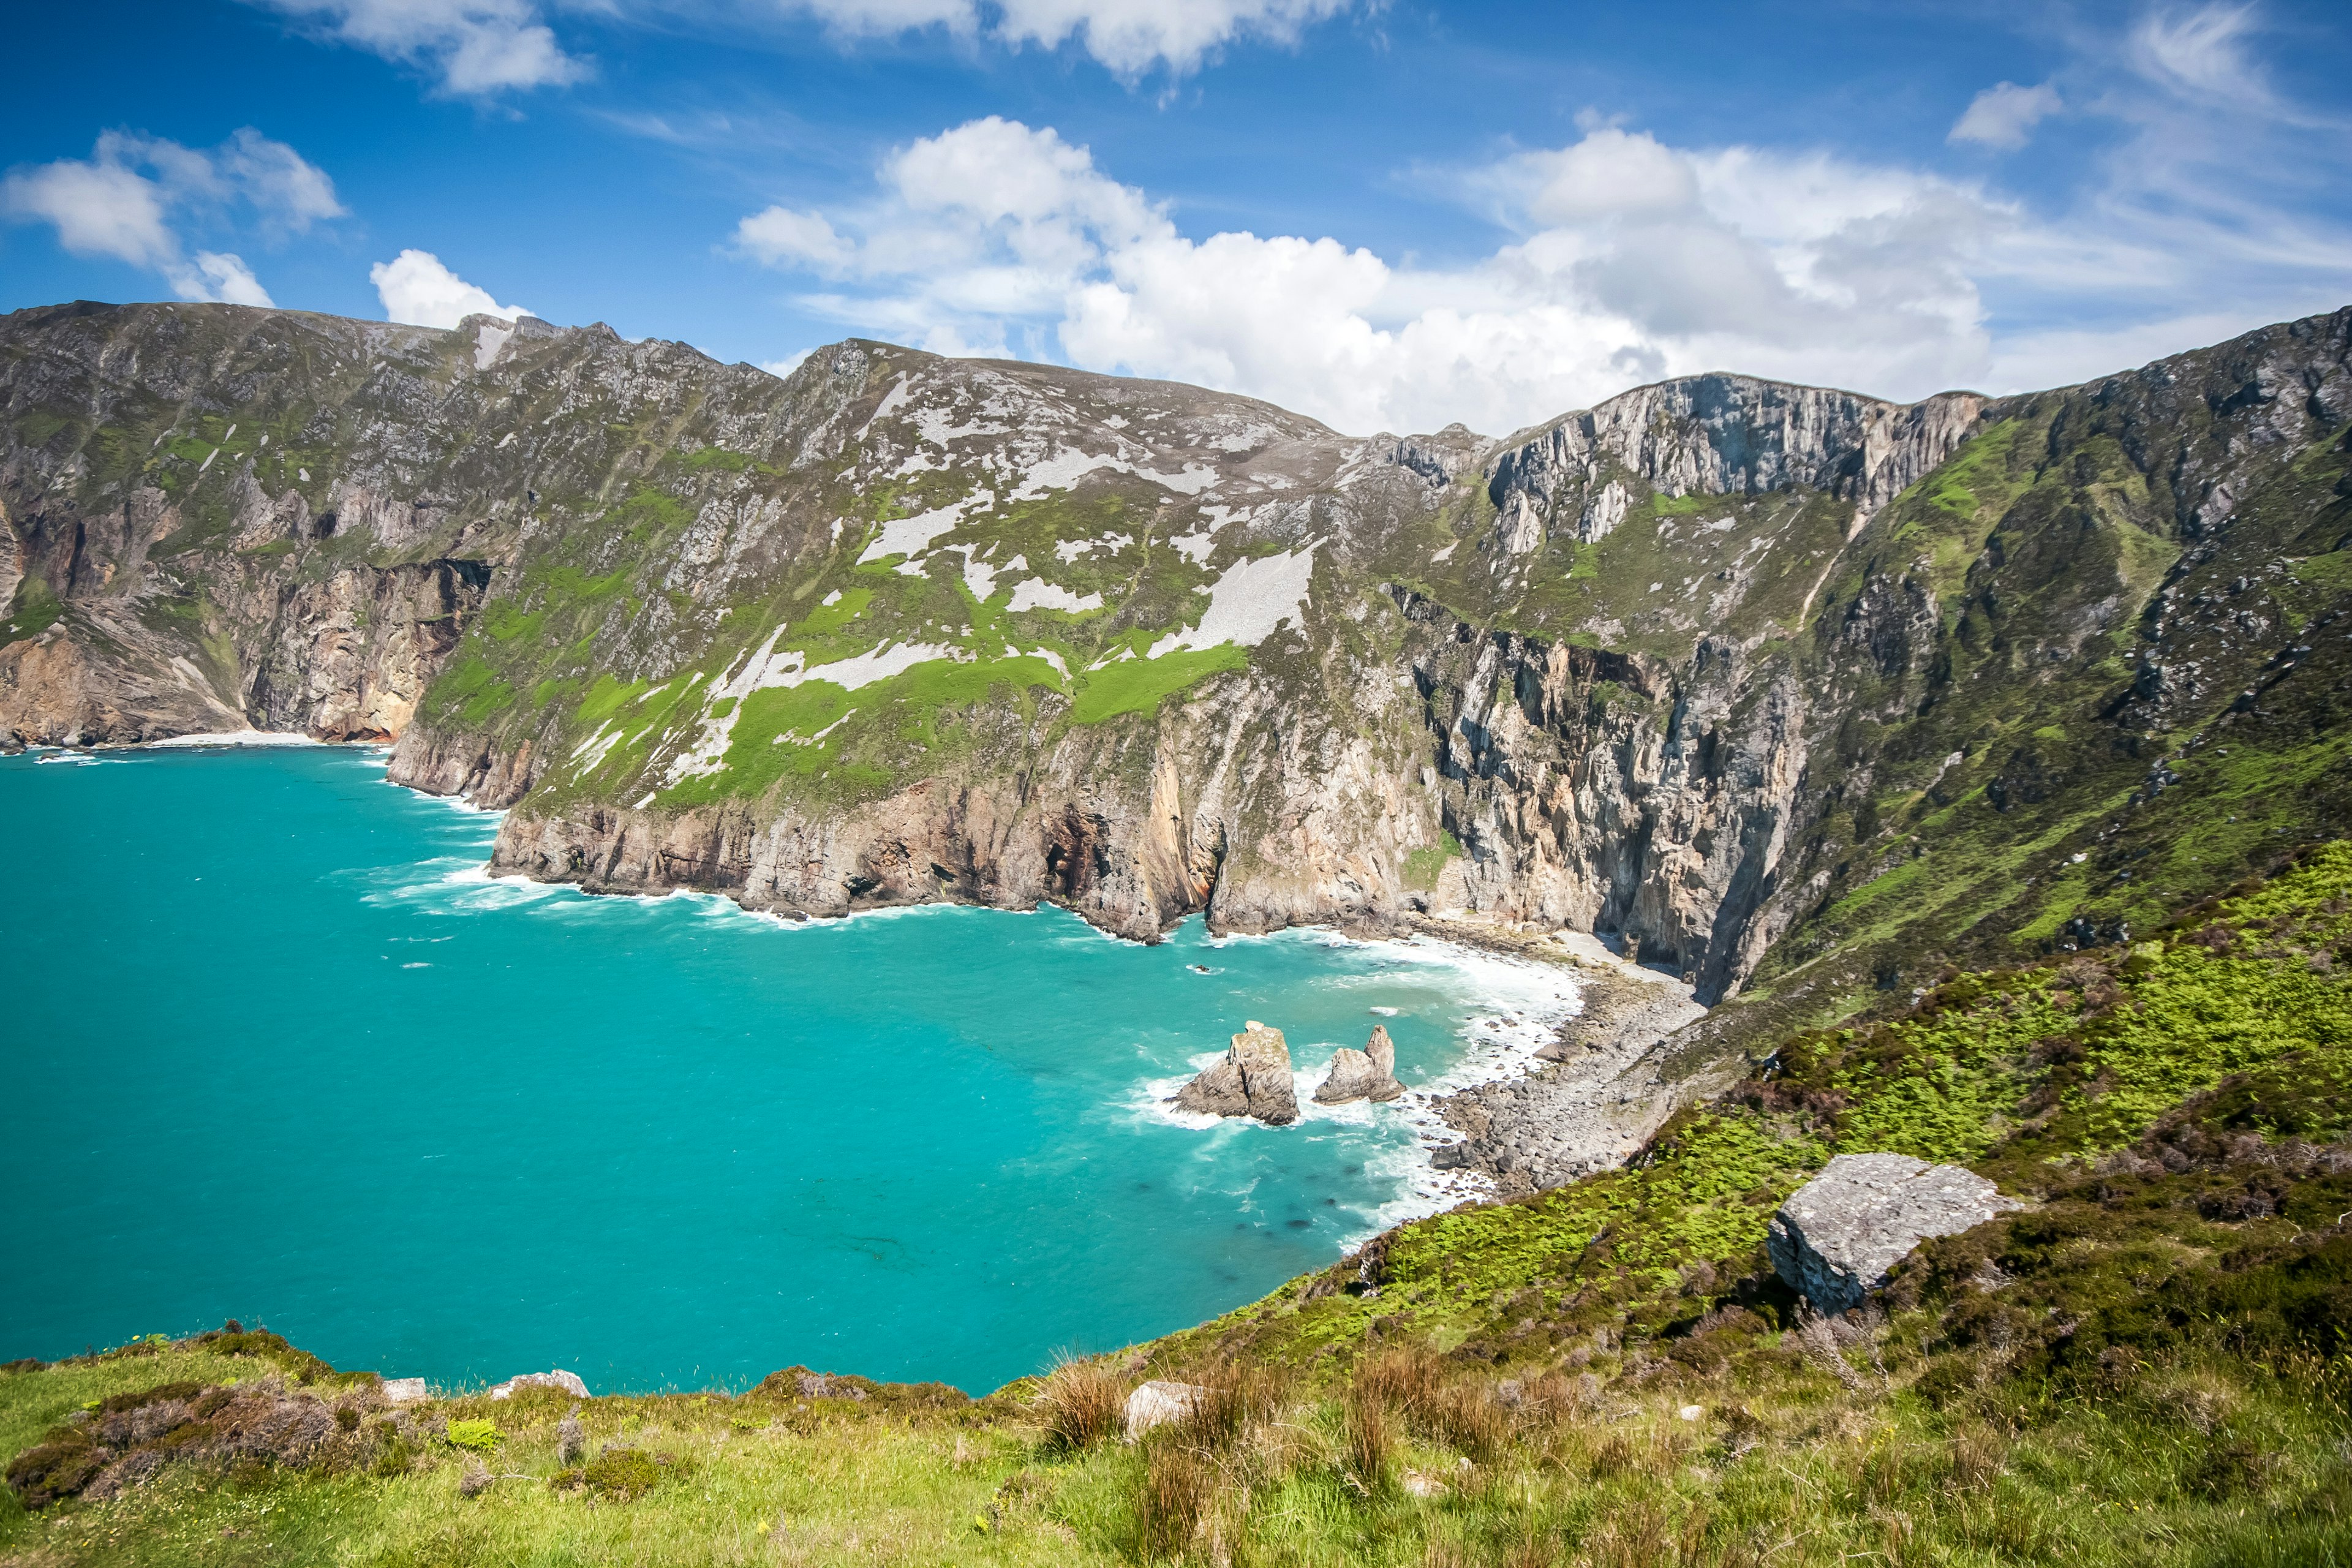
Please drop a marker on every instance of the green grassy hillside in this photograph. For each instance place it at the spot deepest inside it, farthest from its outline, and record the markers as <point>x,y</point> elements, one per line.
<point>2149,1363</point>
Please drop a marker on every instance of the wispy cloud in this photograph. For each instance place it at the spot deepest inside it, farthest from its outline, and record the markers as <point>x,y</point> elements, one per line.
<point>469,47</point>
<point>1132,37</point>
<point>133,197</point>
<point>2005,114</point>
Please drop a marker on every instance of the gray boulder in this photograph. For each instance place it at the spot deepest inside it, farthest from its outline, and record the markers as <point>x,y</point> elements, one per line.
<point>1254,1080</point>
<point>1368,1074</point>
<point>1159,1401</point>
<point>567,1380</point>
<point>1840,1234</point>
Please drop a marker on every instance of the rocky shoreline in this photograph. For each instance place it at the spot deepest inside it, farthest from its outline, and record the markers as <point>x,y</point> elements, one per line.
<point>1598,1090</point>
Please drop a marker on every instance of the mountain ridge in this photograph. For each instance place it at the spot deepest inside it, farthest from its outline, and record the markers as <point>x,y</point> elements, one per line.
<point>1716,667</point>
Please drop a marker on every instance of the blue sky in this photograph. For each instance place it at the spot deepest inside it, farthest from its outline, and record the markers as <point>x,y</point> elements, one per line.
<point>1386,216</point>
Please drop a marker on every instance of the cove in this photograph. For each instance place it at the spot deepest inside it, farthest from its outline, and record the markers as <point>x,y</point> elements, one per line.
<point>277,1050</point>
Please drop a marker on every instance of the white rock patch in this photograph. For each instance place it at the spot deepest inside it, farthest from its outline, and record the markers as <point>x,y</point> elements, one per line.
<point>1195,547</point>
<point>892,401</point>
<point>909,535</point>
<point>1068,466</point>
<point>1036,593</point>
<point>590,754</point>
<point>978,575</point>
<point>488,341</point>
<point>766,668</point>
<point>865,669</point>
<point>1250,603</point>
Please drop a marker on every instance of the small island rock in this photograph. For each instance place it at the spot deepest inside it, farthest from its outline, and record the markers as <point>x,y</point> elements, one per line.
<point>1368,1074</point>
<point>1839,1235</point>
<point>1254,1080</point>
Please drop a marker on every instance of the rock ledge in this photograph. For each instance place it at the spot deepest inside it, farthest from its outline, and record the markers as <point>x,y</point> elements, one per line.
<point>1839,1235</point>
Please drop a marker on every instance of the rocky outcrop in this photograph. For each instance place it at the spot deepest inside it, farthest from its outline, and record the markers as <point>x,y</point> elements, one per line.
<point>1717,435</point>
<point>348,658</point>
<point>1368,1074</point>
<point>1252,1080</point>
<point>1661,813</point>
<point>569,1382</point>
<point>1840,1235</point>
<point>1159,1401</point>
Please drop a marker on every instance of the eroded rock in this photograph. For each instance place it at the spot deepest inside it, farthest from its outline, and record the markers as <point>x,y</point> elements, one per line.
<point>1368,1074</point>
<point>1254,1080</point>
<point>1840,1234</point>
<point>1159,1401</point>
<point>567,1380</point>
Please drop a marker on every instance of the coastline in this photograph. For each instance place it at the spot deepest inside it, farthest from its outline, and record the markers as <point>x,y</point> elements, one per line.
<point>1595,1093</point>
<point>1518,1114</point>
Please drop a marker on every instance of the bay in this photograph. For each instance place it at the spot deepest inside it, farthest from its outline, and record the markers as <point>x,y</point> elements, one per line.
<point>276,1048</point>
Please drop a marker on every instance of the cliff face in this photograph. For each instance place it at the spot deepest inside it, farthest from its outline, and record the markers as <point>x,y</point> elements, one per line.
<point>1719,666</point>
<point>1716,436</point>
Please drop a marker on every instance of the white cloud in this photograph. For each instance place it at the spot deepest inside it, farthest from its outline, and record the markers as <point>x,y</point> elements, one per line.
<point>277,179</point>
<point>130,199</point>
<point>223,277</point>
<point>2005,114</point>
<point>1638,259</point>
<point>1626,259</point>
<point>1131,37</point>
<point>416,289</point>
<point>98,208</point>
<point>472,47</point>
<point>779,238</point>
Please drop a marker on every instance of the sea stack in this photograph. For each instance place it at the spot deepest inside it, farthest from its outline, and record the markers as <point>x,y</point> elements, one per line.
<point>1368,1074</point>
<point>1253,1080</point>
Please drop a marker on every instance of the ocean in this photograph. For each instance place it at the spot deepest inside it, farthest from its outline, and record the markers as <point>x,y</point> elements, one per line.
<point>276,1048</point>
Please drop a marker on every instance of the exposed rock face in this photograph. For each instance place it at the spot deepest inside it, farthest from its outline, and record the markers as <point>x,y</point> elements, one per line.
<point>1840,1234</point>
<point>569,1382</point>
<point>1159,1401</point>
<point>1368,1074</point>
<point>1253,1079</point>
<point>1721,435</point>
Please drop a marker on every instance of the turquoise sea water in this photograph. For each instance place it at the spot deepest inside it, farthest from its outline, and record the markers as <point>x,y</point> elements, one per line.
<point>275,1048</point>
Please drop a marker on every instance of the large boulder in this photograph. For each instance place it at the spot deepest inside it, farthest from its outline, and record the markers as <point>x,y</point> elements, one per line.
<point>1254,1080</point>
<point>1840,1234</point>
<point>1368,1074</point>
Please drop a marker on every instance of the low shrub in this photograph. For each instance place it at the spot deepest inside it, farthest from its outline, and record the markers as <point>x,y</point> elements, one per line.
<point>1079,1403</point>
<point>476,1436</point>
